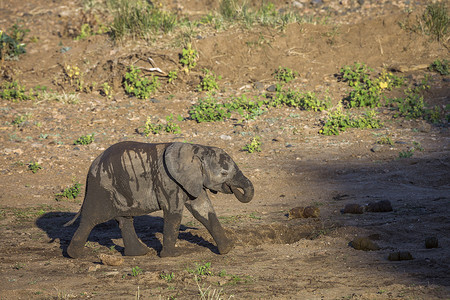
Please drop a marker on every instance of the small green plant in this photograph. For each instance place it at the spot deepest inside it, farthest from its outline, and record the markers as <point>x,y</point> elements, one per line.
<point>209,110</point>
<point>436,20</point>
<point>188,58</point>
<point>201,269</point>
<point>74,77</point>
<point>136,271</point>
<point>70,192</point>
<point>11,44</point>
<point>167,276</point>
<point>138,85</point>
<point>85,140</point>
<point>292,98</point>
<point>112,248</point>
<point>15,92</point>
<point>254,145</point>
<point>284,74</point>
<point>442,67</point>
<point>169,127</point>
<point>406,154</point>
<point>247,108</point>
<point>338,121</point>
<point>85,31</point>
<point>385,140</point>
<point>106,90</point>
<point>208,81</point>
<point>20,120</point>
<point>34,167</point>
<point>172,76</point>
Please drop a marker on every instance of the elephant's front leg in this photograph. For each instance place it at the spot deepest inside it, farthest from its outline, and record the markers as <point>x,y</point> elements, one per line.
<point>133,246</point>
<point>172,221</point>
<point>202,209</point>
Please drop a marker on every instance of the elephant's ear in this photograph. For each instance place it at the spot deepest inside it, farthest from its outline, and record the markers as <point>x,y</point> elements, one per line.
<point>185,167</point>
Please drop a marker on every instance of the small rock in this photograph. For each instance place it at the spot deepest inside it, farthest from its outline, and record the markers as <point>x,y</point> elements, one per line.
<point>365,244</point>
<point>376,148</point>
<point>111,260</point>
<point>400,255</point>
<point>94,268</point>
<point>353,208</point>
<point>278,139</point>
<point>259,86</point>
<point>379,206</point>
<point>225,137</point>
<point>431,242</point>
<point>304,212</point>
<point>272,88</point>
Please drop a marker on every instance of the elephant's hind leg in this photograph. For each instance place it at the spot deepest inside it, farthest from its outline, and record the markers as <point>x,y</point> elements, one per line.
<point>133,246</point>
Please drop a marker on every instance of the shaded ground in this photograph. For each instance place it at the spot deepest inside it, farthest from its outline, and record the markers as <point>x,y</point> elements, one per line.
<point>274,257</point>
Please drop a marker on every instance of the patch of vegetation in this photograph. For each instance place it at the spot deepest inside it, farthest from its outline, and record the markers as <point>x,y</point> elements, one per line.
<point>436,20</point>
<point>338,121</point>
<point>139,19</point>
<point>169,127</point>
<point>15,92</point>
<point>106,90</point>
<point>254,145</point>
<point>292,98</point>
<point>74,77</point>
<point>385,140</point>
<point>209,110</point>
<point>136,271</point>
<point>138,85</point>
<point>441,67</point>
<point>188,58</point>
<point>172,75</point>
<point>11,43</point>
<point>70,192</point>
<point>85,140</point>
<point>201,269</point>
<point>247,108</point>
<point>20,120</point>
<point>34,167</point>
<point>208,81</point>
<point>167,276</point>
<point>285,75</point>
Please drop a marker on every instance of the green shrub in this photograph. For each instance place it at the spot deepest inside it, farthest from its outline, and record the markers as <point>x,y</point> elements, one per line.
<point>188,58</point>
<point>442,67</point>
<point>209,81</point>
<point>11,44</point>
<point>292,98</point>
<point>70,192</point>
<point>15,92</point>
<point>248,109</point>
<point>254,145</point>
<point>169,127</point>
<point>436,20</point>
<point>139,19</point>
<point>85,140</point>
<point>284,74</point>
<point>139,85</point>
<point>34,167</point>
<point>209,110</point>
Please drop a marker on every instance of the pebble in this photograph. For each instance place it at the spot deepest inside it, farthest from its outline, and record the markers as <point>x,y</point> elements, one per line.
<point>111,260</point>
<point>365,244</point>
<point>225,137</point>
<point>272,88</point>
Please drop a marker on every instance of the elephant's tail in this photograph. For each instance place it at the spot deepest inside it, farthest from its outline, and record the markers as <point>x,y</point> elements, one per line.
<point>73,220</point>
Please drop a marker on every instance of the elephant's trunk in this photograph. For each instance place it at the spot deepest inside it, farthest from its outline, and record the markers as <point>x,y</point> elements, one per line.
<point>242,182</point>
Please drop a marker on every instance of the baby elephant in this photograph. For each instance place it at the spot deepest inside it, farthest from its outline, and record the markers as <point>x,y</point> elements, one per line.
<point>130,179</point>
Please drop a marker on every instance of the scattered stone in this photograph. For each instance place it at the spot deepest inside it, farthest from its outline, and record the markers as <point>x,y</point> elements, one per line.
<point>400,255</point>
<point>353,208</point>
<point>376,148</point>
<point>379,206</point>
<point>111,260</point>
<point>365,244</point>
<point>259,86</point>
<point>272,88</point>
<point>225,137</point>
<point>431,242</point>
<point>94,268</point>
<point>304,212</point>
<point>278,139</point>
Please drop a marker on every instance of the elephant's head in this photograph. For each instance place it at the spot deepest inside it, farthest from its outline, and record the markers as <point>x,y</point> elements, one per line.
<point>196,167</point>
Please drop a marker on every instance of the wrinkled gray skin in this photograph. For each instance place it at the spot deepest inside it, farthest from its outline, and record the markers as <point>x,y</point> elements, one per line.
<point>131,179</point>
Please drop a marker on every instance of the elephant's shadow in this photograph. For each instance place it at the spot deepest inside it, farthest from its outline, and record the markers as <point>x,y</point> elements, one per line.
<point>146,228</point>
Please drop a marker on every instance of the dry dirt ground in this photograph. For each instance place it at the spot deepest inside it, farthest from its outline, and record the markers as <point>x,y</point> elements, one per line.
<point>274,258</point>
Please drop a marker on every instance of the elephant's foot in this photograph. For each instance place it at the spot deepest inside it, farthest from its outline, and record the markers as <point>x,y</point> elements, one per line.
<point>136,250</point>
<point>225,247</point>
<point>76,251</point>
<point>169,252</point>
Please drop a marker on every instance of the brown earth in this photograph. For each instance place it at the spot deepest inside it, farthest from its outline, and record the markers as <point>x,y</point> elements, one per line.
<point>274,258</point>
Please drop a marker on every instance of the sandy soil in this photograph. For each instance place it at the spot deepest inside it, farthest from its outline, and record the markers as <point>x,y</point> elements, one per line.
<point>274,257</point>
